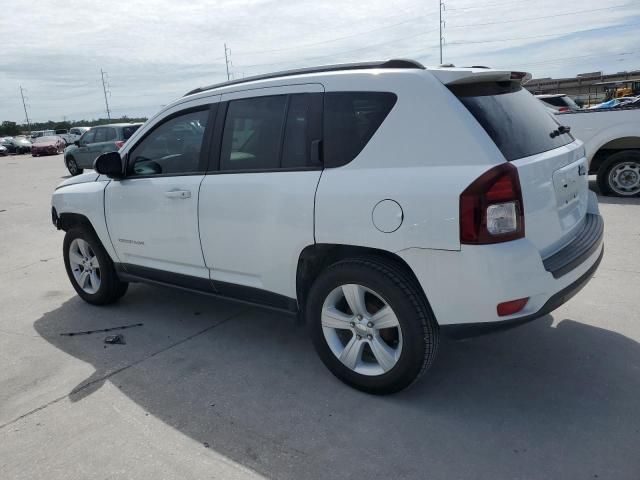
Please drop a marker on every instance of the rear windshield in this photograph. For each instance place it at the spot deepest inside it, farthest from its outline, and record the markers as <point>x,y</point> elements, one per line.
<point>128,131</point>
<point>515,120</point>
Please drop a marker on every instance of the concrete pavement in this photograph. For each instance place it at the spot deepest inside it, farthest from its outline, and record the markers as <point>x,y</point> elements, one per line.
<point>212,389</point>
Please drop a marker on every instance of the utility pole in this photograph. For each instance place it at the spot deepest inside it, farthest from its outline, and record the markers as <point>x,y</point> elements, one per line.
<point>24,104</point>
<point>441,9</point>
<point>104,89</point>
<point>227,53</point>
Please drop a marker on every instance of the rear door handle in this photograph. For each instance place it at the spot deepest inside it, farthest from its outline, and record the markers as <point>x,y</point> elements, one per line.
<point>178,194</point>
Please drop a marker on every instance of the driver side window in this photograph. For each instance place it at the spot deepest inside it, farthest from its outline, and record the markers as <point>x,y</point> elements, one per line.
<point>173,147</point>
<point>87,137</point>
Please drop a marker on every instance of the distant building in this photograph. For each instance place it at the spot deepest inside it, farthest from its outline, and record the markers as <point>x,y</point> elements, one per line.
<point>588,88</point>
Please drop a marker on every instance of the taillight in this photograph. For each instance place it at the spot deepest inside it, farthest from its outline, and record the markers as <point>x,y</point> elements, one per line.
<point>491,208</point>
<point>119,143</point>
<point>563,109</point>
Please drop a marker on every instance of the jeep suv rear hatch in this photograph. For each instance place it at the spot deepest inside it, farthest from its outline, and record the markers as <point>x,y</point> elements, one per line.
<point>551,165</point>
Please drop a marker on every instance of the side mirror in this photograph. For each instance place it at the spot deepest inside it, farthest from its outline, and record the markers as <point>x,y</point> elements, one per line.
<point>77,143</point>
<point>109,164</point>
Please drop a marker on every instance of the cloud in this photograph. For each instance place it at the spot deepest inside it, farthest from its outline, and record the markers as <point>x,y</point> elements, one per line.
<point>156,50</point>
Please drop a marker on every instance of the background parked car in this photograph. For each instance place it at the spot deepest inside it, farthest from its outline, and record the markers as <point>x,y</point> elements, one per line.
<point>105,138</point>
<point>71,135</point>
<point>49,145</point>
<point>42,133</point>
<point>3,151</point>
<point>559,102</point>
<point>16,144</point>
<point>628,102</point>
<point>76,132</point>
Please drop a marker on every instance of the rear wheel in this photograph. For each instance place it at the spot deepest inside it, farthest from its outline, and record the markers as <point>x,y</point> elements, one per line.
<point>619,175</point>
<point>371,325</point>
<point>90,269</point>
<point>72,166</point>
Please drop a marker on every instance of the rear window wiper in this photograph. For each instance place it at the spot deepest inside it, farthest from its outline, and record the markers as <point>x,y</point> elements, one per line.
<point>561,129</point>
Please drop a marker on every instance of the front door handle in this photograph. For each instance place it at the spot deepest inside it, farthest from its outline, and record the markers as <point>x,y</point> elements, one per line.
<point>178,194</point>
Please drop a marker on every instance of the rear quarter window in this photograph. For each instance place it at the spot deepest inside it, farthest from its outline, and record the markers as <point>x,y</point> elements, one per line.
<point>516,121</point>
<point>350,120</point>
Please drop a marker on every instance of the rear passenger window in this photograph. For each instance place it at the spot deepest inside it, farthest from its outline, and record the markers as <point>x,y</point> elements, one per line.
<point>253,133</point>
<point>350,120</point>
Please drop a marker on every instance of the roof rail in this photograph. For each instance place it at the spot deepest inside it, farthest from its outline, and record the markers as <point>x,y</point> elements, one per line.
<point>394,63</point>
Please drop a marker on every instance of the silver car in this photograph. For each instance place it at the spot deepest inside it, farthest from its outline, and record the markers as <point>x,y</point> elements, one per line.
<point>97,140</point>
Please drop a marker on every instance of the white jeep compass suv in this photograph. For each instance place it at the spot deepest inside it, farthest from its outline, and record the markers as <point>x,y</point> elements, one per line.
<point>386,202</point>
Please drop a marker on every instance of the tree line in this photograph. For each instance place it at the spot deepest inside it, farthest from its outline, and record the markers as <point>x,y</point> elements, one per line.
<point>8,128</point>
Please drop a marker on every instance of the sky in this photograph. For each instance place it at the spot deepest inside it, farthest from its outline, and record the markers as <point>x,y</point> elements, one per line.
<point>156,50</point>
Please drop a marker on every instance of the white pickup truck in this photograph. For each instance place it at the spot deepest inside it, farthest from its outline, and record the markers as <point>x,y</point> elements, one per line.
<point>612,142</point>
<point>71,135</point>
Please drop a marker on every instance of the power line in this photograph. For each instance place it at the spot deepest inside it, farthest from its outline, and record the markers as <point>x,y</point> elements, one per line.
<point>576,57</point>
<point>104,89</point>
<point>322,42</point>
<point>24,104</point>
<point>486,6</point>
<point>545,35</point>
<point>539,18</point>
<point>342,53</point>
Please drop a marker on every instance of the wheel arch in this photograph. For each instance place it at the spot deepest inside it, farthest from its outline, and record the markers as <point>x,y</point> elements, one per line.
<point>314,259</point>
<point>607,144</point>
<point>66,221</point>
<point>82,204</point>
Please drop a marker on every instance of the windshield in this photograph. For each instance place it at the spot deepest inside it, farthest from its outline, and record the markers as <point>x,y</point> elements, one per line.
<point>515,120</point>
<point>45,139</point>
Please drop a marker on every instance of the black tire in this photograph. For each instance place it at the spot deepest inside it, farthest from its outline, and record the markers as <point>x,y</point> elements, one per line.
<point>72,166</point>
<point>603,179</point>
<point>111,288</point>
<point>420,332</point>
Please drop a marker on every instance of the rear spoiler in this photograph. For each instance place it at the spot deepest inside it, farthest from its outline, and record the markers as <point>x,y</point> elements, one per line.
<point>457,76</point>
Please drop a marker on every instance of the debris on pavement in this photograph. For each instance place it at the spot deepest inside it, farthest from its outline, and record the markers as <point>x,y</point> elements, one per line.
<point>102,330</point>
<point>115,339</point>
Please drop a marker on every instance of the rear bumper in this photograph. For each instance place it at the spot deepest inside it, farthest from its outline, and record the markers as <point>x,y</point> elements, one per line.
<point>586,242</point>
<point>558,299</point>
<point>464,287</point>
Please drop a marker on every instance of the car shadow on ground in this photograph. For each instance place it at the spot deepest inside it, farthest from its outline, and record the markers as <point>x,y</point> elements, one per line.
<point>544,400</point>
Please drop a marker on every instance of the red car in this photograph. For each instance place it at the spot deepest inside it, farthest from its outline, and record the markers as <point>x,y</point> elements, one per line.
<point>50,145</point>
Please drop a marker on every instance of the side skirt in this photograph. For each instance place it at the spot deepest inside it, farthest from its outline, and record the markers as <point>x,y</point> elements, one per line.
<point>238,293</point>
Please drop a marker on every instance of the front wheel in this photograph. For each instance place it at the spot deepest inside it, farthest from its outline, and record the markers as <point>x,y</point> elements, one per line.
<point>90,269</point>
<point>619,175</point>
<point>371,325</point>
<point>72,166</point>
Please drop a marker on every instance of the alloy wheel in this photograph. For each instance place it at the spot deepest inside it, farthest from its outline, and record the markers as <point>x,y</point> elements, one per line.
<point>72,166</point>
<point>361,329</point>
<point>84,265</point>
